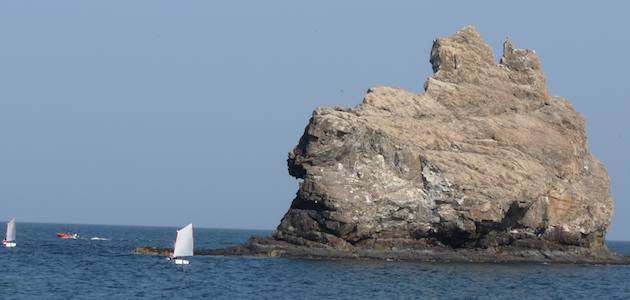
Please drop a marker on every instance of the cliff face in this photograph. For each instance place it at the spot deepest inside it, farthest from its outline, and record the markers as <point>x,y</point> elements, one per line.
<point>483,159</point>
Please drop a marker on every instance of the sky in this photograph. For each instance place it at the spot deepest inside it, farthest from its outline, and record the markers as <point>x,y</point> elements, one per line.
<point>162,113</point>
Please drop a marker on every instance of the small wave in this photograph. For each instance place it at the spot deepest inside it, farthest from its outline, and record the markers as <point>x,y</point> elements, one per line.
<point>99,239</point>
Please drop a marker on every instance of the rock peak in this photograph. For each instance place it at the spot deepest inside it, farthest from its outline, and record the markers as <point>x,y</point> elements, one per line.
<point>464,60</point>
<point>508,49</point>
<point>452,57</point>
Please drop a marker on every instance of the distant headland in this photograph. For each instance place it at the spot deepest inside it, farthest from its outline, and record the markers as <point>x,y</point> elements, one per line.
<point>484,166</point>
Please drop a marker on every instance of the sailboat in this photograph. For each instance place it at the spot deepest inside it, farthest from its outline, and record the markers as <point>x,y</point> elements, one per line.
<point>183,245</point>
<point>10,240</point>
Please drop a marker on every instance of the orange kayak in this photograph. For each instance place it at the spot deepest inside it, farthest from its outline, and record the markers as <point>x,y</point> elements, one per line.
<point>67,236</point>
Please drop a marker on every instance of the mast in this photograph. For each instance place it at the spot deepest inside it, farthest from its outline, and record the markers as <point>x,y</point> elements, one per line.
<point>175,245</point>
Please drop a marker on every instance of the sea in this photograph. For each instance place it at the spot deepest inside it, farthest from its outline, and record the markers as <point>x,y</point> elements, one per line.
<point>98,266</point>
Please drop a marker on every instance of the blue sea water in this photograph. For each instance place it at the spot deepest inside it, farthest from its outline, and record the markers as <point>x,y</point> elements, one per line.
<point>43,266</point>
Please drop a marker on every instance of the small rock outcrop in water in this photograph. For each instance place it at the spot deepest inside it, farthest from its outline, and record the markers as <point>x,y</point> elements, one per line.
<point>152,251</point>
<point>483,166</point>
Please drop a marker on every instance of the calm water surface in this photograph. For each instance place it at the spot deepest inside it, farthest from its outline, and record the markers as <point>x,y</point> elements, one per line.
<point>43,266</point>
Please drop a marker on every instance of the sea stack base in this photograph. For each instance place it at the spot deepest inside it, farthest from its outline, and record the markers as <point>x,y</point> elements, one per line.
<point>551,254</point>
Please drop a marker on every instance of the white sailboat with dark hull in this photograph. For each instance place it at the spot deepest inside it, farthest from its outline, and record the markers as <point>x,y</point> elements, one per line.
<point>183,245</point>
<point>9,241</point>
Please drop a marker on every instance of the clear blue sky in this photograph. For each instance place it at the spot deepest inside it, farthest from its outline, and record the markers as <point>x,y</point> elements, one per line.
<point>164,113</point>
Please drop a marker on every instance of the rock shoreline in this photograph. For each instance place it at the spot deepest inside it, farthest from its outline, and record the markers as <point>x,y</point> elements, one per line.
<point>556,254</point>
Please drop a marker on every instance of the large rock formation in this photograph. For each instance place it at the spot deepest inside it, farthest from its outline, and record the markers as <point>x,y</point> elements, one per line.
<point>483,166</point>
<point>485,158</point>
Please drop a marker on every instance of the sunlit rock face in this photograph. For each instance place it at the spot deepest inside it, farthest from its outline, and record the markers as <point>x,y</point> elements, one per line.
<point>483,159</point>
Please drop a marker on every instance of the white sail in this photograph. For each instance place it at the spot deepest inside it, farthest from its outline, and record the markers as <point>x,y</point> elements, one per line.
<point>184,242</point>
<point>11,231</point>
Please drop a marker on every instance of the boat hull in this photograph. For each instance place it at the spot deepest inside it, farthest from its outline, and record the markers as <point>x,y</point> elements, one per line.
<point>10,245</point>
<point>66,236</point>
<point>181,262</point>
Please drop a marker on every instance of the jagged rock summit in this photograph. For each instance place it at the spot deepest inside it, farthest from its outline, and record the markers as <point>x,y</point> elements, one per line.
<point>483,166</point>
